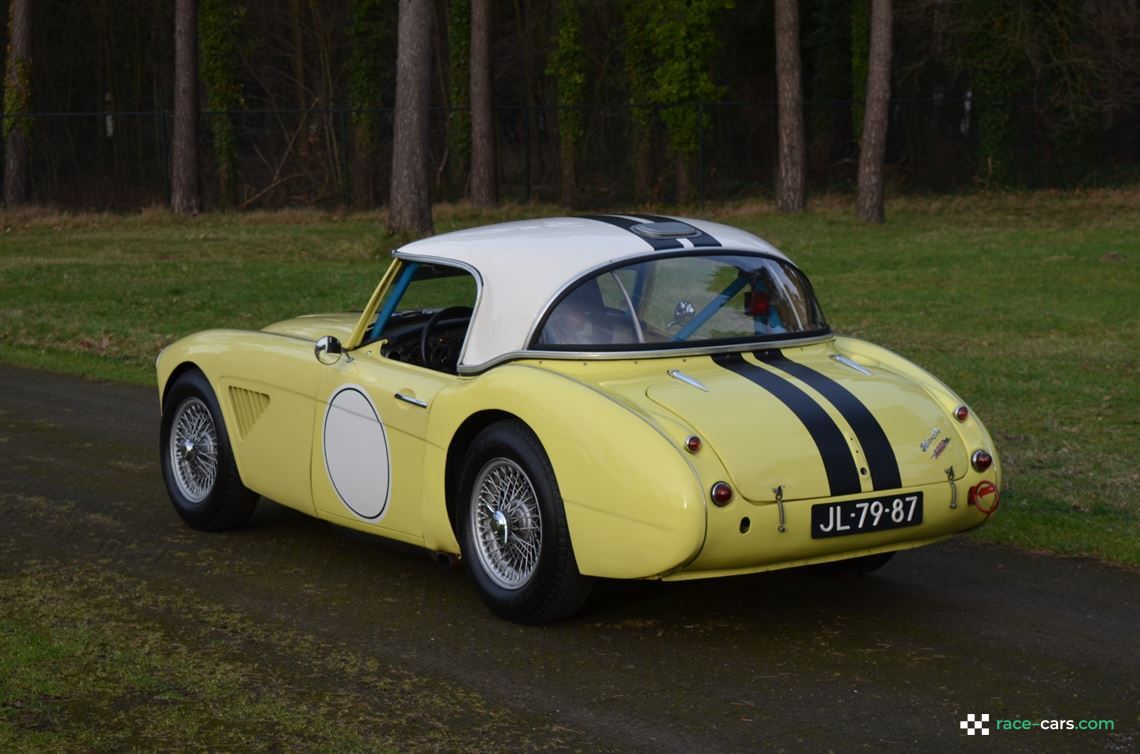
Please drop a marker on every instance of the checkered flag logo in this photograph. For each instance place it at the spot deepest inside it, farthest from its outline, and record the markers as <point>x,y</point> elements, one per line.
<point>976,724</point>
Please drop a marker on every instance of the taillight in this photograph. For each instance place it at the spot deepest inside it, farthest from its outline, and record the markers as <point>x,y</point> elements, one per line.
<point>981,460</point>
<point>721,493</point>
<point>692,443</point>
<point>962,413</point>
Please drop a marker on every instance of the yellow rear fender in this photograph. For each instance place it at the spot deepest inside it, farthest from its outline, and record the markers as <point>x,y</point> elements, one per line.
<point>973,432</point>
<point>634,500</point>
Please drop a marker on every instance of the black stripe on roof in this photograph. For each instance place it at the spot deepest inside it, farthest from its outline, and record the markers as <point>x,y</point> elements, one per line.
<point>659,244</point>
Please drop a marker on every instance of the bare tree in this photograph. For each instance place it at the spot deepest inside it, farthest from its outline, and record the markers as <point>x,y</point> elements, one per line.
<point>484,188</point>
<point>869,204</point>
<point>17,102</point>
<point>185,190</point>
<point>409,208</point>
<point>790,179</point>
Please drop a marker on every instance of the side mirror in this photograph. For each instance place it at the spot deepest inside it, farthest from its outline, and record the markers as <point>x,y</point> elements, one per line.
<point>328,350</point>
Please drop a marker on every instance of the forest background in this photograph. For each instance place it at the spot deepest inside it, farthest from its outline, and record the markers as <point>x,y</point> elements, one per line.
<point>593,104</point>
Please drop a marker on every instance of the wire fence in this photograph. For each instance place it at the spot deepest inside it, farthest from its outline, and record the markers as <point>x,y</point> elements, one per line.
<point>121,160</point>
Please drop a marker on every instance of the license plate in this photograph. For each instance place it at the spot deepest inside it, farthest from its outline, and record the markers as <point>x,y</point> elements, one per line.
<point>861,516</point>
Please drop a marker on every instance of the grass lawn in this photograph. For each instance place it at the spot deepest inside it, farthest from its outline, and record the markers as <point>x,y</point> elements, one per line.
<point>1026,304</point>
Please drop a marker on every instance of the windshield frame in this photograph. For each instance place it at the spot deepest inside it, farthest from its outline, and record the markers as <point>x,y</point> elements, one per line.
<point>670,348</point>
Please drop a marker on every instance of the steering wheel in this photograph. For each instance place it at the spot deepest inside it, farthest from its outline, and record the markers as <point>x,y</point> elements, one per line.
<point>435,319</point>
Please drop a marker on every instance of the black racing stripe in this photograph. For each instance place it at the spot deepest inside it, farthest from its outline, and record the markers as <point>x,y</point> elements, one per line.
<point>842,476</point>
<point>659,244</point>
<point>702,239</point>
<point>880,455</point>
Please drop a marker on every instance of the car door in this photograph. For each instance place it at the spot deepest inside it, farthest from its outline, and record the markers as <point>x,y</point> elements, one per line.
<point>368,446</point>
<point>373,404</point>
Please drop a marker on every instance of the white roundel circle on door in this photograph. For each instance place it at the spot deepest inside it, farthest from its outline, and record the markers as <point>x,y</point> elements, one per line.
<point>356,452</point>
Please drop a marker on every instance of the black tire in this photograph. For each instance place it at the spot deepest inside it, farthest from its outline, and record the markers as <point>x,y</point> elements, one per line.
<point>532,577</point>
<point>191,411</point>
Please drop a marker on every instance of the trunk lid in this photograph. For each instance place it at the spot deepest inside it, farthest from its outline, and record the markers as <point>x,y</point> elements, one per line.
<point>806,421</point>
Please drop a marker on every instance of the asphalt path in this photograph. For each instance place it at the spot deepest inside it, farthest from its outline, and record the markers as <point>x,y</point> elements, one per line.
<point>804,660</point>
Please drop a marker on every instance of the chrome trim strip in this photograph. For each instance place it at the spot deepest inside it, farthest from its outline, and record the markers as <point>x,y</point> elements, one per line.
<point>840,358</point>
<point>677,374</point>
<point>637,355</point>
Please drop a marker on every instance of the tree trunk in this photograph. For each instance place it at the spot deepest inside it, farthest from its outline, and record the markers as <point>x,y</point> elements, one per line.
<point>410,201</point>
<point>568,178</point>
<point>869,204</point>
<point>185,191</point>
<point>298,58</point>
<point>484,189</point>
<point>17,99</point>
<point>790,178</point>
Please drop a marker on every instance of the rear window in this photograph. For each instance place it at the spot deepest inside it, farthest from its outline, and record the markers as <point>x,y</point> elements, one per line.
<point>684,301</point>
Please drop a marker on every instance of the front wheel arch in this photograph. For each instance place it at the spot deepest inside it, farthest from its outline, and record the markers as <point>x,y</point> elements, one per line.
<point>220,500</point>
<point>175,374</point>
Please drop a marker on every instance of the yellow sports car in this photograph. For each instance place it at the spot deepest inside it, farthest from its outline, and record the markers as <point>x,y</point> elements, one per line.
<point>620,396</point>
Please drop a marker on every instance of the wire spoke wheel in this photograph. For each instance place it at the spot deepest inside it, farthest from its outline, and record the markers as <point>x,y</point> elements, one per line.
<point>193,450</point>
<point>507,523</point>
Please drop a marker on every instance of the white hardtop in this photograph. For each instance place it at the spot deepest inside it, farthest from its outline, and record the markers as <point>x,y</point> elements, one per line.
<point>523,265</point>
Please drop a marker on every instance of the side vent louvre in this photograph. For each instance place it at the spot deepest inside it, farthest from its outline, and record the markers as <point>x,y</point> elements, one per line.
<point>248,407</point>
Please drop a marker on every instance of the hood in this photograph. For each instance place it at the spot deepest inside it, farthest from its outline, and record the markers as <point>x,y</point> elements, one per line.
<point>813,424</point>
<point>313,326</point>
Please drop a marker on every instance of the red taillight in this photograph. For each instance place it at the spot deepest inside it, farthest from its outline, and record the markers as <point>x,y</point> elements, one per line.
<point>981,460</point>
<point>721,493</point>
<point>962,413</point>
<point>985,497</point>
<point>692,443</point>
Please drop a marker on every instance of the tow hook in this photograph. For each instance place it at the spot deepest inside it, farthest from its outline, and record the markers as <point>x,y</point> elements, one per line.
<point>953,488</point>
<point>779,490</point>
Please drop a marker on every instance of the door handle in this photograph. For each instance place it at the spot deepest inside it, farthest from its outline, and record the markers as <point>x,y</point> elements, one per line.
<point>411,400</point>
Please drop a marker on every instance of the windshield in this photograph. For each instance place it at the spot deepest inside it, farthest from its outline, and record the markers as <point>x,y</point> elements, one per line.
<point>684,301</point>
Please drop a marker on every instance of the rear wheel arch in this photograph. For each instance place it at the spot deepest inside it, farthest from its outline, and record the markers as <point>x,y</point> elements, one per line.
<point>513,529</point>
<point>457,456</point>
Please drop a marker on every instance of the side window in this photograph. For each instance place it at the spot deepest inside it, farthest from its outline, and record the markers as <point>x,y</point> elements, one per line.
<point>425,315</point>
<point>436,287</point>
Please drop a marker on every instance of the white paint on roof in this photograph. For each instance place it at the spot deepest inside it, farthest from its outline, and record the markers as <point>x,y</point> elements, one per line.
<point>524,265</point>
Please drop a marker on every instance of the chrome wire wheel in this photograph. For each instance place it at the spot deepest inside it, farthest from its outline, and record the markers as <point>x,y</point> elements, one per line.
<point>193,450</point>
<point>506,523</point>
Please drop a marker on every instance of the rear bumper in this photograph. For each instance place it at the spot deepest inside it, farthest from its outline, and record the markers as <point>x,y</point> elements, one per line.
<point>745,537</point>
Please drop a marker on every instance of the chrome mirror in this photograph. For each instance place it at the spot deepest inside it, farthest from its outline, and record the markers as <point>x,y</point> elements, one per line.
<point>683,312</point>
<point>328,350</point>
